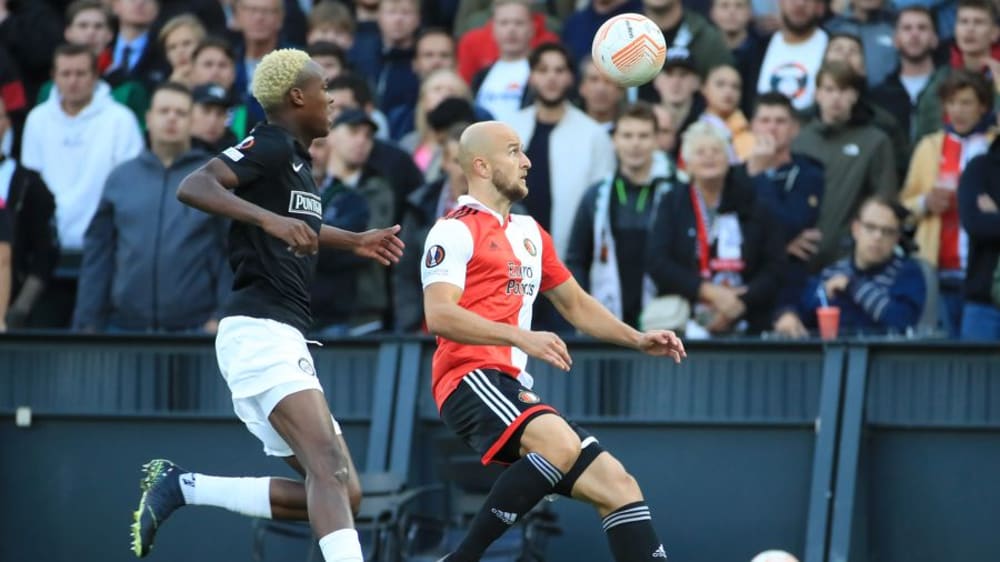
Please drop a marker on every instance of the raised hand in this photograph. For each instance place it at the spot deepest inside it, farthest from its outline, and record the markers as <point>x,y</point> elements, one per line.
<point>381,245</point>
<point>662,343</point>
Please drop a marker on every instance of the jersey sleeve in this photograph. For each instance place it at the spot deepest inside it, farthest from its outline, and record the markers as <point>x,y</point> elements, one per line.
<point>255,155</point>
<point>554,271</point>
<point>447,252</point>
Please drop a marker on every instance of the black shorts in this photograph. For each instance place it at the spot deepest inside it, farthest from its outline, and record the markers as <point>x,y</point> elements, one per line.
<point>489,410</point>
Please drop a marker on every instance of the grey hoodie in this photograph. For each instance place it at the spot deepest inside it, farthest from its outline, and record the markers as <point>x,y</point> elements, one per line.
<point>151,263</point>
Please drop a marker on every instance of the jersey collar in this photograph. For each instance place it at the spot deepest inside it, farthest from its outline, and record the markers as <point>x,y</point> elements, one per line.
<point>470,201</point>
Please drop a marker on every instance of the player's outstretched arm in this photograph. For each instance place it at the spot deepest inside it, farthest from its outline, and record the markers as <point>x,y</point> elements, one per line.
<point>209,189</point>
<point>445,318</point>
<point>592,318</point>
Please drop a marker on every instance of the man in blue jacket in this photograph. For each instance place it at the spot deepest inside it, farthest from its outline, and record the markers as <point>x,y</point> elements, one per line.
<point>151,264</point>
<point>878,291</point>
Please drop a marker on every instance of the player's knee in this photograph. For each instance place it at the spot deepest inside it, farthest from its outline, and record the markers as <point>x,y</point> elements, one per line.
<point>562,453</point>
<point>623,489</point>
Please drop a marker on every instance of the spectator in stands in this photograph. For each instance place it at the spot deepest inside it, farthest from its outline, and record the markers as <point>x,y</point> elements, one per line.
<point>88,22</point>
<point>136,55</point>
<point>209,115</point>
<point>688,32</point>
<point>713,246</point>
<point>747,46</point>
<point>179,37</point>
<point>581,26</point>
<point>500,87</point>
<point>930,189</point>
<point>607,246</point>
<point>150,264</point>
<point>481,47</point>
<point>424,142</point>
<point>259,22</point>
<point>794,54</point>
<point>390,161</point>
<point>214,62</point>
<point>790,185</point>
<point>602,98</point>
<point>356,88</point>
<point>978,200</point>
<point>975,49</point>
<point>877,290</point>
<point>331,21</point>
<point>721,91</point>
<point>548,16</point>
<point>857,157</point>
<point>330,57</point>
<point>435,49</point>
<point>848,49</point>
<point>904,87</point>
<point>666,131</point>
<point>5,264</point>
<point>569,151</point>
<point>422,209</point>
<point>30,212</point>
<point>29,33</point>
<point>74,140</point>
<point>350,144</point>
<point>210,13</point>
<point>676,88</point>
<point>385,55</point>
<point>872,22</point>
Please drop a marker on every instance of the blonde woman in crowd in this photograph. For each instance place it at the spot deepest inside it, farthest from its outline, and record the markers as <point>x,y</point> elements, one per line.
<point>721,91</point>
<point>179,38</point>
<point>423,144</point>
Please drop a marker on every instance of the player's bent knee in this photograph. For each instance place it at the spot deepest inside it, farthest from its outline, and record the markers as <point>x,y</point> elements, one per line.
<point>589,452</point>
<point>623,489</point>
<point>562,453</point>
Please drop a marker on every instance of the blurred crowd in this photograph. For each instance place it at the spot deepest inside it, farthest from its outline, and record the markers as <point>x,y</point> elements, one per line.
<point>792,156</point>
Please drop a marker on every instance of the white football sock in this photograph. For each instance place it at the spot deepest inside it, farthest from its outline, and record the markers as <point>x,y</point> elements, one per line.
<point>249,496</point>
<point>341,546</point>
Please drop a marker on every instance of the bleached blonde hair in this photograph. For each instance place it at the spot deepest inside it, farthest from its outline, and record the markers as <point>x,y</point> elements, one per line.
<point>279,71</point>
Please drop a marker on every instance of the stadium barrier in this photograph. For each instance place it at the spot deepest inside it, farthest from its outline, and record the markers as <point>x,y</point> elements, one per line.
<point>859,450</point>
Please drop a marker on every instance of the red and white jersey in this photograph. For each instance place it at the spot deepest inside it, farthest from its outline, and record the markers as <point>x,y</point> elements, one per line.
<point>501,266</point>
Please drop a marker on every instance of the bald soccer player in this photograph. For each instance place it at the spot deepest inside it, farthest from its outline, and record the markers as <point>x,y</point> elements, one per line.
<point>482,270</point>
<point>265,185</point>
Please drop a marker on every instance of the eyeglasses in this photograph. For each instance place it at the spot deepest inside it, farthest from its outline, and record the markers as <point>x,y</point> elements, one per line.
<point>884,231</point>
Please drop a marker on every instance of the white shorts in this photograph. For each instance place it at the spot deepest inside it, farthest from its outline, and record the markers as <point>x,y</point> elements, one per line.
<point>263,361</point>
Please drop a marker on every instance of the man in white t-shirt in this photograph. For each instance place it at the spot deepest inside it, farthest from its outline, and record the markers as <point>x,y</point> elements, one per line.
<point>794,54</point>
<point>500,87</point>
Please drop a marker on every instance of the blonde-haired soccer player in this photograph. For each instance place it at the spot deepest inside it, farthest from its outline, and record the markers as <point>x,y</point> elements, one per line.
<point>265,185</point>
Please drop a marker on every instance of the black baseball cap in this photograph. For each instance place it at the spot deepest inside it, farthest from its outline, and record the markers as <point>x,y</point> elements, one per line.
<point>211,94</point>
<point>679,57</point>
<point>354,117</point>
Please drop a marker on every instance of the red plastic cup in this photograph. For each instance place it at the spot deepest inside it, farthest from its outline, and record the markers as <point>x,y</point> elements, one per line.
<point>829,321</point>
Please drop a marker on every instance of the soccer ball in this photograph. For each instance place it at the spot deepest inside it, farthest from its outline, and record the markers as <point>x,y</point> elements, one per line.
<point>629,49</point>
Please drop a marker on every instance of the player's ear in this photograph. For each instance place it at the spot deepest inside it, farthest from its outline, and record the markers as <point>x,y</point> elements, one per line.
<point>296,96</point>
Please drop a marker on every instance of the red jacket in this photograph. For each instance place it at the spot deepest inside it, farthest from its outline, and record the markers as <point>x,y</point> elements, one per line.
<point>477,49</point>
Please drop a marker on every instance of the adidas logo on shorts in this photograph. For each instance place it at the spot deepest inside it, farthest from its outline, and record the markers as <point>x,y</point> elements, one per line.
<point>660,553</point>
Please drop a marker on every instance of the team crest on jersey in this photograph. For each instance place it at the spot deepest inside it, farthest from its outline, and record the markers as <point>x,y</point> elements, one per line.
<point>305,203</point>
<point>435,255</point>
<point>528,397</point>
<point>246,144</point>
<point>307,367</point>
<point>530,246</point>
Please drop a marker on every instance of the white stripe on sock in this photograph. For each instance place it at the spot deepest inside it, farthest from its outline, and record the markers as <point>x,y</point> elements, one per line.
<point>543,466</point>
<point>638,510</point>
<point>628,520</point>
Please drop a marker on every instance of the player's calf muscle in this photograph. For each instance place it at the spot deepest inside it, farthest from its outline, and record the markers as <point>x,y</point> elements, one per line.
<point>607,485</point>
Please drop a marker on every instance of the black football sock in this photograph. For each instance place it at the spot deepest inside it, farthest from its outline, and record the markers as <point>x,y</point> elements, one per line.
<point>631,534</point>
<point>515,493</point>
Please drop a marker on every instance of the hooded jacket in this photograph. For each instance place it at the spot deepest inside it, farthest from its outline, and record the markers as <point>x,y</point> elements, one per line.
<point>75,154</point>
<point>859,162</point>
<point>151,263</point>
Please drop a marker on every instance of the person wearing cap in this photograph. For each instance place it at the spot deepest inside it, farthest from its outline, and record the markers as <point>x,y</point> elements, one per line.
<point>676,88</point>
<point>349,145</point>
<point>209,116</point>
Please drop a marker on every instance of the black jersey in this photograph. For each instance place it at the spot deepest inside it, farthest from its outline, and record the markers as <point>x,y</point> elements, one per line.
<point>6,233</point>
<point>274,172</point>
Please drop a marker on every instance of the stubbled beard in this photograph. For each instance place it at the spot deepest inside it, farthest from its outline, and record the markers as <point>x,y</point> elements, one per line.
<point>511,189</point>
<point>799,28</point>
